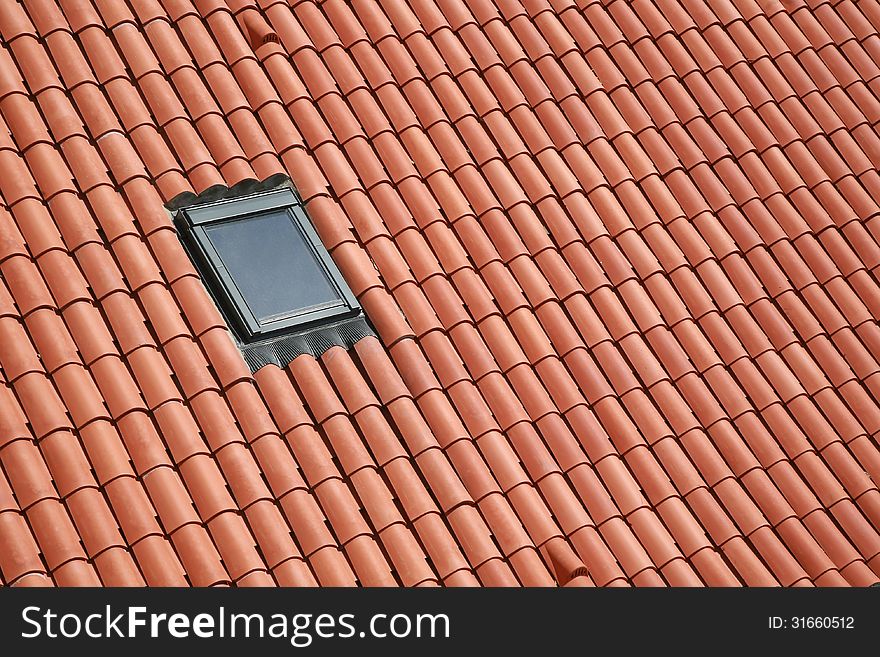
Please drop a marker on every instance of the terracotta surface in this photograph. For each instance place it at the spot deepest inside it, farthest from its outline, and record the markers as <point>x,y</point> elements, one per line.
<point>622,259</point>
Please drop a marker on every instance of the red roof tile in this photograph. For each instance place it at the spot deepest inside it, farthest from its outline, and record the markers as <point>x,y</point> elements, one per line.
<point>621,259</point>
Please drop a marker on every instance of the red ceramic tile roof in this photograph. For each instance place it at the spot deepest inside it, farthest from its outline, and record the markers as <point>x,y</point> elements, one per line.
<point>622,259</point>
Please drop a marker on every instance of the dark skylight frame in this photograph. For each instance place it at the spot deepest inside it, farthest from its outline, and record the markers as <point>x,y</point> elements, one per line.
<point>240,279</point>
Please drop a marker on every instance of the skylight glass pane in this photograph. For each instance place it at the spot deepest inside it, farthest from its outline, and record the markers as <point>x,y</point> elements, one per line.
<point>272,265</point>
